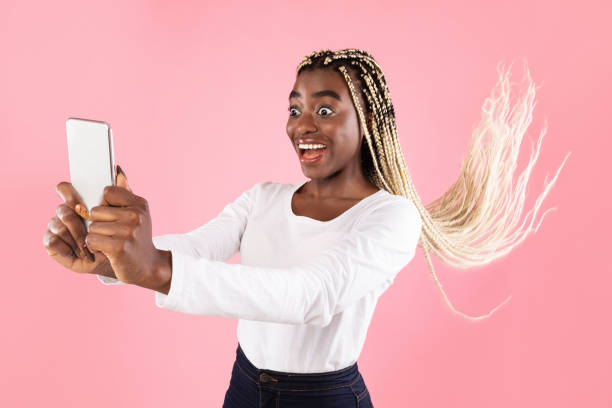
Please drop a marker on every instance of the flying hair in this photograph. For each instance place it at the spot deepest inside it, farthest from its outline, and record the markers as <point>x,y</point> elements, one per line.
<point>475,221</point>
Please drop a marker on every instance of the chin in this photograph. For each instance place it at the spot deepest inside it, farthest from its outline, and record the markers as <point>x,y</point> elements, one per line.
<point>311,174</point>
<point>317,173</point>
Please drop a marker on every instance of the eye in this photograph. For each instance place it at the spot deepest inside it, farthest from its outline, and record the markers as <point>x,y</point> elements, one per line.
<point>293,111</point>
<point>325,107</point>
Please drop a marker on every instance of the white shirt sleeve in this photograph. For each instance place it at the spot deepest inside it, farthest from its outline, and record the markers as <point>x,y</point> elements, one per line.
<point>380,244</point>
<point>217,240</point>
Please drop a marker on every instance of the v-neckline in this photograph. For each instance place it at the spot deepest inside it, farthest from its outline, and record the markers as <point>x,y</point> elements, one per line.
<point>304,218</point>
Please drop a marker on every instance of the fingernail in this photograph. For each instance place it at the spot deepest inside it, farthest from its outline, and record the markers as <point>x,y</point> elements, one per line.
<point>89,254</point>
<point>82,211</point>
<point>120,171</point>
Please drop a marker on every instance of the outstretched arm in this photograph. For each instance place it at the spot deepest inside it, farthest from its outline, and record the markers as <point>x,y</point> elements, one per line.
<point>368,258</point>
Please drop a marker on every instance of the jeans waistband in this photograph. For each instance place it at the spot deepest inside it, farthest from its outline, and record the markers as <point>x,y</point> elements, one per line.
<point>297,381</point>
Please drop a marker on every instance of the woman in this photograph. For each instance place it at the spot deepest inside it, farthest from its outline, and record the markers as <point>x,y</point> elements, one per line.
<point>315,255</point>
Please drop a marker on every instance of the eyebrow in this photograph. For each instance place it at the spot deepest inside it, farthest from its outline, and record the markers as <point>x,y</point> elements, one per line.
<point>326,92</point>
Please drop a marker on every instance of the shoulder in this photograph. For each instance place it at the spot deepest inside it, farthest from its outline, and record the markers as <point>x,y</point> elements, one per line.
<point>265,191</point>
<point>388,204</point>
<point>268,188</point>
<point>393,212</point>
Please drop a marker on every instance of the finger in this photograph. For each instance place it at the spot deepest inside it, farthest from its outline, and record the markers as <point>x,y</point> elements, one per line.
<point>70,196</point>
<point>128,215</point>
<point>59,250</point>
<point>73,223</point>
<point>105,244</point>
<point>57,247</point>
<point>112,229</point>
<point>57,227</point>
<point>121,179</point>
<point>82,211</point>
<point>118,197</point>
<point>72,199</point>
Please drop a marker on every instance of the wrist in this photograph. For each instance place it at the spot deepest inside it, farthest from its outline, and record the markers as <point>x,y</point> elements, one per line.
<point>104,269</point>
<point>162,274</point>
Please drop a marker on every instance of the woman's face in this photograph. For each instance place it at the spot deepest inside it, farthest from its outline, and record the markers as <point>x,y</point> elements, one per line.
<point>321,111</point>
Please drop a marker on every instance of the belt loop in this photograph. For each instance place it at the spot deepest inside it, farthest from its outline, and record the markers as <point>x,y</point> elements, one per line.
<point>265,377</point>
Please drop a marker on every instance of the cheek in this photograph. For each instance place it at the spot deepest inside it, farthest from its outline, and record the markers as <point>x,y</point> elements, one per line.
<point>345,134</point>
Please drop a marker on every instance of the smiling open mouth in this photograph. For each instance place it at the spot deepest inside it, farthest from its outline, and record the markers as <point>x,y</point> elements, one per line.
<point>311,155</point>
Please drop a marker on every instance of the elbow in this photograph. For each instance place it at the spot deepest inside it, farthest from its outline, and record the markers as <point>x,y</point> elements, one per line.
<point>320,311</point>
<point>320,320</point>
<point>317,307</point>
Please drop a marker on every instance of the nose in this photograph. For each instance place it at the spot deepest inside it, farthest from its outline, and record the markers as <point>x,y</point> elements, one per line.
<point>305,124</point>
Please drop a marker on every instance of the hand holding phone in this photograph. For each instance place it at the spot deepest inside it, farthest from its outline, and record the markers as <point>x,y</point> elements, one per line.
<point>90,153</point>
<point>65,236</point>
<point>120,228</point>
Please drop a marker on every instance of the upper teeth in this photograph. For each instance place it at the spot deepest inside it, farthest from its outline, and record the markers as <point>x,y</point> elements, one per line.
<point>310,146</point>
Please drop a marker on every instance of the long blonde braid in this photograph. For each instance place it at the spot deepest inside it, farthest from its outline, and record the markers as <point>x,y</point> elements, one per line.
<point>473,223</point>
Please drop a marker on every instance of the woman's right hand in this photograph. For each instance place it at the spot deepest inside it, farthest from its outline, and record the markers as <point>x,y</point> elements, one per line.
<point>64,239</point>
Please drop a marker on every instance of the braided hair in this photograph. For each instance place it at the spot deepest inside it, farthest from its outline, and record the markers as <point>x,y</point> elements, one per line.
<point>473,222</point>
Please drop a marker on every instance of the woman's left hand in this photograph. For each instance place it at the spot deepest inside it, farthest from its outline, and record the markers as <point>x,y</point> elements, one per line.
<point>121,229</point>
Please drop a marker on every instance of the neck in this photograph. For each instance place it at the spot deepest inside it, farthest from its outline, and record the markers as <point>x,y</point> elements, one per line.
<point>342,184</point>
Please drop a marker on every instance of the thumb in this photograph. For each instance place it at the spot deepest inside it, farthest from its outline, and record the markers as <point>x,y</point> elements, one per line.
<point>122,179</point>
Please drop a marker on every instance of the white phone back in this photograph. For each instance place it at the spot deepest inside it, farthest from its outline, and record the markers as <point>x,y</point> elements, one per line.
<point>92,163</point>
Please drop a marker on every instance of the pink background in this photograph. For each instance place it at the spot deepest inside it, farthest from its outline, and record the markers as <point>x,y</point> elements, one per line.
<point>197,97</point>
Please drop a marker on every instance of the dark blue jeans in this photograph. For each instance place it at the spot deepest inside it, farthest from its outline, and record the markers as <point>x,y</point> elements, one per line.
<point>251,387</point>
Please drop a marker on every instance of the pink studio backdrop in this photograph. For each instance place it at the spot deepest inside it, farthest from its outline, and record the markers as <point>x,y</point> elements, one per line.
<point>197,96</point>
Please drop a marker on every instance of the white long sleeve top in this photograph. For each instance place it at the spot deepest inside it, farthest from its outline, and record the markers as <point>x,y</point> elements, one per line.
<point>305,290</point>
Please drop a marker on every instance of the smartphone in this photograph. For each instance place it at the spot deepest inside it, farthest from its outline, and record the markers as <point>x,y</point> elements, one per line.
<point>91,159</point>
